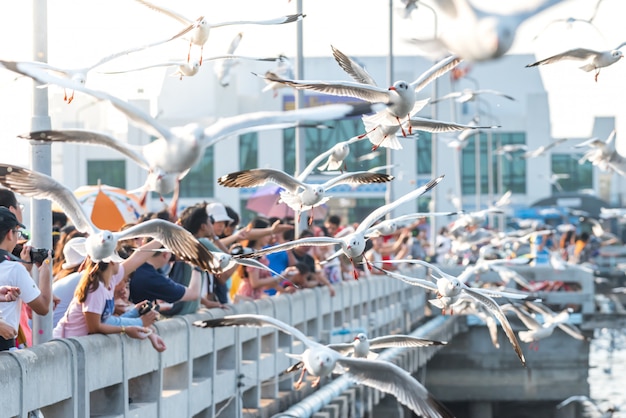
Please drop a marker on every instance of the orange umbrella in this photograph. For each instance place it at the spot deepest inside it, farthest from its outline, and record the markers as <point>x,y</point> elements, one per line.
<point>108,207</point>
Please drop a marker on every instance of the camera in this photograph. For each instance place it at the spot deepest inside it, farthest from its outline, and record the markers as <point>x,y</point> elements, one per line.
<point>37,255</point>
<point>148,307</point>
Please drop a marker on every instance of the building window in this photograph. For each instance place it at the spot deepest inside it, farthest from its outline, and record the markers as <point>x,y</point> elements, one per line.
<point>199,182</point>
<point>580,176</point>
<point>248,151</point>
<point>109,172</point>
<point>424,153</point>
<point>511,172</point>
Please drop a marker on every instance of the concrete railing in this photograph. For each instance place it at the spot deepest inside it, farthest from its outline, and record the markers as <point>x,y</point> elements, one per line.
<point>204,372</point>
<point>226,372</point>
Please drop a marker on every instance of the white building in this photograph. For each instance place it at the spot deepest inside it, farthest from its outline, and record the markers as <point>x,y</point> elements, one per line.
<point>526,120</point>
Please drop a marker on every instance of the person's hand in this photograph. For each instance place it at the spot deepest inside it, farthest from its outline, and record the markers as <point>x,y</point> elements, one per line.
<point>278,228</point>
<point>7,331</point>
<point>157,342</point>
<point>242,234</point>
<point>25,255</point>
<point>55,301</point>
<point>9,293</point>
<point>44,268</point>
<point>139,333</point>
<point>149,318</point>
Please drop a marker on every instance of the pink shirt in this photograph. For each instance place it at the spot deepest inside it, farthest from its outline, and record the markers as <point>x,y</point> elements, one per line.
<point>100,301</point>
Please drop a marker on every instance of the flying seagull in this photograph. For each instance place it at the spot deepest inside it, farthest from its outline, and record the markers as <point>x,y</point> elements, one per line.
<point>320,361</point>
<point>467,95</point>
<point>200,28</point>
<point>100,245</point>
<point>592,60</point>
<point>298,195</point>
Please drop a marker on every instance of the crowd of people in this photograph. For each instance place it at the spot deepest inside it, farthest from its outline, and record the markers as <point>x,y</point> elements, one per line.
<point>151,283</point>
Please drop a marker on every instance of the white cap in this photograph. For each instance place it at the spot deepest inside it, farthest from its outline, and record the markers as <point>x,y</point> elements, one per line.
<point>72,257</point>
<point>218,212</point>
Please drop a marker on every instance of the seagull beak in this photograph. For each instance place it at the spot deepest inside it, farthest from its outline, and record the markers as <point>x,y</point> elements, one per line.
<point>392,88</point>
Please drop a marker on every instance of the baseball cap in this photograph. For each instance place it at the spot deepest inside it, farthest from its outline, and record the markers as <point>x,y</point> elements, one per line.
<point>218,212</point>
<point>8,219</point>
<point>72,257</point>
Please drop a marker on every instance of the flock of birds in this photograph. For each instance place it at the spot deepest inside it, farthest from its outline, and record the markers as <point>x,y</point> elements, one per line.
<point>388,115</point>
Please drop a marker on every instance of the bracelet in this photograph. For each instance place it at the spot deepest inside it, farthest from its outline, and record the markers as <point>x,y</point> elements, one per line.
<point>123,330</point>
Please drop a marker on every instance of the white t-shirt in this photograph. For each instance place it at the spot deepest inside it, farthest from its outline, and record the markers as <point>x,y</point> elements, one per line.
<point>15,274</point>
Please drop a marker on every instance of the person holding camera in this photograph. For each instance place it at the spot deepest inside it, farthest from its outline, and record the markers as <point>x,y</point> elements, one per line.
<point>13,273</point>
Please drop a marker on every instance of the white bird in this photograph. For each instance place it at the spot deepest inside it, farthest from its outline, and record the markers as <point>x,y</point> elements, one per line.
<point>400,98</point>
<point>467,95</point>
<point>186,68</point>
<point>390,226</point>
<point>100,245</point>
<point>79,75</point>
<point>555,178</point>
<point>336,154</point>
<point>608,213</point>
<point>603,154</point>
<point>592,60</point>
<point>451,290</point>
<point>479,35</point>
<point>353,243</point>
<point>320,361</point>
<point>570,22</point>
<point>542,149</point>
<point>283,69</point>
<point>175,150</point>
<point>361,346</point>
<point>198,30</point>
<point>298,195</point>
<point>590,406</point>
<point>509,149</point>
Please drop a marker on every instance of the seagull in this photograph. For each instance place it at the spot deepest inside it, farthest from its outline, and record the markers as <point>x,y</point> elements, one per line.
<point>361,346</point>
<point>603,154</point>
<point>176,150</point>
<point>79,75</point>
<point>353,243</point>
<point>400,98</point>
<point>450,290</point>
<point>298,195</point>
<point>590,406</point>
<point>336,154</point>
<point>592,60</point>
<point>390,226</point>
<point>542,149</point>
<point>570,21</point>
<point>509,149</point>
<point>555,178</point>
<point>467,95</point>
<point>99,244</point>
<point>478,35</point>
<point>320,361</point>
<point>200,28</point>
<point>283,69</point>
<point>186,68</point>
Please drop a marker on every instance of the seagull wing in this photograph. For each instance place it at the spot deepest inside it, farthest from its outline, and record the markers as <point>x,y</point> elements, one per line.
<point>453,95</point>
<point>494,92</point>
<point>309,241</point>
<point>495,310</point>
<point>174,237</point>
<point>432,125</point>
<point>392,379</point>
<point>413,281</point>
<point>168,12</point>
<point>275,21</point>
<point>354,70</point>
<point>372,94</point>
<point>357,178</point>
<point>389,341</point>
<point>251,320</point>
<point>247,122</point>
<point>434,72</point>
<point>133,113</point>
<point>260,176</point>
<point>383,210</point>
<point>40,186</point>
<point>578,54</point>
<point>80,136</point>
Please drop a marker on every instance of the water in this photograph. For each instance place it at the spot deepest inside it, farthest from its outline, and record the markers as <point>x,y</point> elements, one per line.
<point>607,369</point>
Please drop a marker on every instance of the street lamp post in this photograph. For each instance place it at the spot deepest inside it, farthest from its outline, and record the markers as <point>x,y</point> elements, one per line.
<point>41,210</point>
